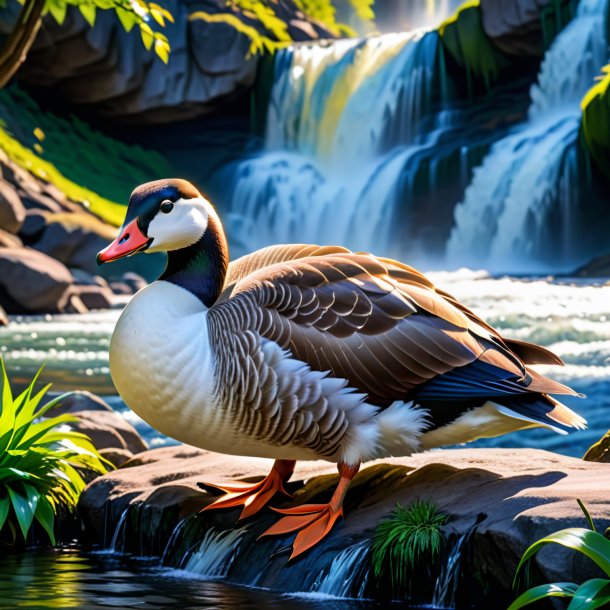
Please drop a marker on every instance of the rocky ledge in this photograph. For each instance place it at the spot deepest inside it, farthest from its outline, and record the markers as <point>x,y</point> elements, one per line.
<point>498,502</point>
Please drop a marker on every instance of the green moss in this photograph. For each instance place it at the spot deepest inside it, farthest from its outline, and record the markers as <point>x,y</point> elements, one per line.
<point>554,17</point>
<point>600,451</point>
<point>596,122</point>
<point>86,165</point>
<point>463,37</point>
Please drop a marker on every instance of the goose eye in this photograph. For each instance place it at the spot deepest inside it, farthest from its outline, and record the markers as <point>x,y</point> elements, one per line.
<point>167,207</point>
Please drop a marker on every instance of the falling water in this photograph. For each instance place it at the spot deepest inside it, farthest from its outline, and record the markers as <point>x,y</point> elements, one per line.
<point>507,212</point>
<point>348,568</point>
<point>215,553</point>
<point>447,581</point>
<point>120,528</point>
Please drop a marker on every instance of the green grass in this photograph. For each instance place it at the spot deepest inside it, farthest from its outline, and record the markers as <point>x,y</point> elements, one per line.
<point>86,165</point>
<point>40,463</point>
<point>405,539</point>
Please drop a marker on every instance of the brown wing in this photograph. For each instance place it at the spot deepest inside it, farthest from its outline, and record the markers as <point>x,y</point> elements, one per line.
<point>378,323</point>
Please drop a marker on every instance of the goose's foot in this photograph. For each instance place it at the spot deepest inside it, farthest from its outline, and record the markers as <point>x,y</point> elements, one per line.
<point>253,497</point>
<point>313,521</point>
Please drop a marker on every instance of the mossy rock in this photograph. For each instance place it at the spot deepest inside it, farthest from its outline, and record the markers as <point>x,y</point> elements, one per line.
<point>464,38</point>
<point>600,452</point>
<point>596,122</point>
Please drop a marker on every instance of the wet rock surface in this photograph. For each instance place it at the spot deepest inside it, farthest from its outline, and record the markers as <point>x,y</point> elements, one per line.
<point>501,500</point>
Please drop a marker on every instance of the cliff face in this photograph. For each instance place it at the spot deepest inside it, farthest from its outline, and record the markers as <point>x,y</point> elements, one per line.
<point>110,73</point>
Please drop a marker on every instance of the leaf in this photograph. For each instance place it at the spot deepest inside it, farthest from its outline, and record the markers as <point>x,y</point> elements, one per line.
<point>23,510</point>
<point>45,515</point>
<point>592,594</point>
<point>163,11</point>
<point>5,505</point>
<point>39,135</point>
<point>127,18</point>
<point>147,35</point>
<point>162,50</point>
<point>58,9</point>
<point>157,16</point>
<point>88,12</point>
<point>591,544</point>
<point>557,589</point>
<point>587,515</point>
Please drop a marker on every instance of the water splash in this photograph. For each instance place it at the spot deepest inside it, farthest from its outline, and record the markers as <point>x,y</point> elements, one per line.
<point>347,569</point>
<point>173,538</point>
<point>523,201</point>
<point>215,553</point>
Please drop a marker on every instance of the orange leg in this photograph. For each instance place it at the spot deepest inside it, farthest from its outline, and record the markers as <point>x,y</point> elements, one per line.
<point>255,496</point>
<point>313,521</point>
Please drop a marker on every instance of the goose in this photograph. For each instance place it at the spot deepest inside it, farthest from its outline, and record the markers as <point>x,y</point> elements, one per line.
<point>306,352</point>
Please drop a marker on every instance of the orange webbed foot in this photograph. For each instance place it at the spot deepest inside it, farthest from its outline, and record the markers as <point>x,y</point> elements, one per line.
<point>313,521</point>
<point>253,497</point>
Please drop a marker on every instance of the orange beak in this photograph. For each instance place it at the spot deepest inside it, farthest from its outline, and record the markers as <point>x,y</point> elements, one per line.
<point>130,240</point>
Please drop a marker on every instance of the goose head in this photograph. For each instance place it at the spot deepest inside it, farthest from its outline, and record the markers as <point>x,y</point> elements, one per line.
<point>172,216</point>
<point>162,216</point>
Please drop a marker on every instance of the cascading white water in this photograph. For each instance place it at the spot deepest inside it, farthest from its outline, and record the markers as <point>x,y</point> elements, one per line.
<point>342,122</point>
<point>503,222</point>
<point>215,553</point>
<point>347,568</point>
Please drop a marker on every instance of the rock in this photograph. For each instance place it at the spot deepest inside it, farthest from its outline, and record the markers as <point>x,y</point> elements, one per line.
<point>600,451</point>
<point>8,240</point>
<point>516,26</point>
<point>3,317</point>
<point>599,267</point>
<point>108,429</point>
<point>81,401</point>
<point>117,457</point>
<point>93,296</point>
<point>111,73</point>
<point>33,226</point>
<point>83,278</point>
<point>32,282</point>
<point>503,499</point>
<point>74,239</point>
<point>463,38</point>
<point>134,281</point>
<point>12,210</point>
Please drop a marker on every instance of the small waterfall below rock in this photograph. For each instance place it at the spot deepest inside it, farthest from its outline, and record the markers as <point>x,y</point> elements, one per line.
<point>119,533</point>
<point>215,553</point>
<point>347,575</point>
<point>522,203</point>
<point>446,584</point>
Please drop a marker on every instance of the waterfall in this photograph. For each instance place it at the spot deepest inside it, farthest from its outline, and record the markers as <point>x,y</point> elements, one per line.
<point>215,553</point>
<point>344,120</point>
<point>522,202</point>
<point>348,568</point>
<point>117,533</point>
<point>447,581</point>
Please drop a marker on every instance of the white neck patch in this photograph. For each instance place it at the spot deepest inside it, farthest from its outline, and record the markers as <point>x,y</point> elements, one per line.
<point>180,228</point>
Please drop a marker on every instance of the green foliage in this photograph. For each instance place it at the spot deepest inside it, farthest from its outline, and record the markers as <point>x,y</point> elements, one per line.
<point>592,594</point>
<point>83,163</point>
<point>129,12</point>
<point>464,38</point>
<point>39,462</point>
<point>596,131</point>
<point>267,31</point>
<point>600,451</point>
<point>406,538</point>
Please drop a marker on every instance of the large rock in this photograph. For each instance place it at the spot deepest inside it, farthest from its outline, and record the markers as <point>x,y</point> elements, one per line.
<point>12,210</point>
<point>74,239</point>
<point>516,26</point>
<point>33,282</point>
<point>110,71</point>
<point>81,401</point>
<point>108,429</point>
<point>3,317</point>
<point>502,500</point>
